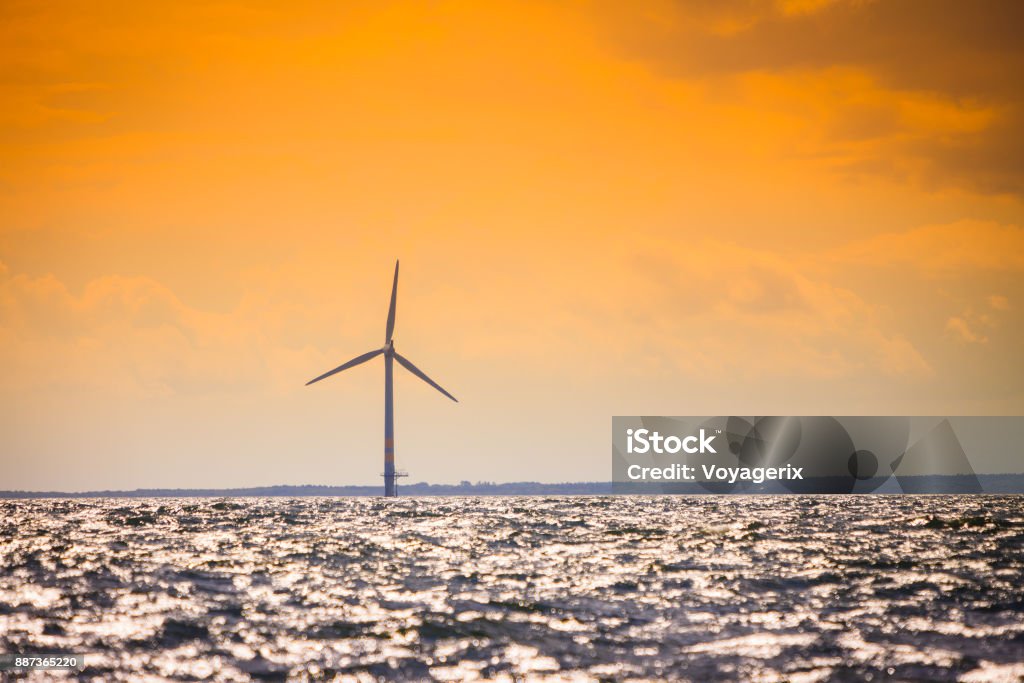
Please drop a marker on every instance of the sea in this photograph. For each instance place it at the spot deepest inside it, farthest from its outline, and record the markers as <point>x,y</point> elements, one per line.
<point>610,588</point>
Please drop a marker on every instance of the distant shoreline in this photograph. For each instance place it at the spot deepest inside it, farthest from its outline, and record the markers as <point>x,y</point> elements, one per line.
<point>527,488</point>
<point>990,483</point>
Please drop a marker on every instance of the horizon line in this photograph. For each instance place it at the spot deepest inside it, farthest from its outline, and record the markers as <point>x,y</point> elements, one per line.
<point>168,492</point>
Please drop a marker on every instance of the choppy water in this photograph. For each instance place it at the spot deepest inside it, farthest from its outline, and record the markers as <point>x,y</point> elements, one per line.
<point>700,588</point>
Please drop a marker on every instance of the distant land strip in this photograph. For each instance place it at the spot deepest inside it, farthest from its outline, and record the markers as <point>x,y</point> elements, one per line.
<point>522,488</point>
<point>990,483</point>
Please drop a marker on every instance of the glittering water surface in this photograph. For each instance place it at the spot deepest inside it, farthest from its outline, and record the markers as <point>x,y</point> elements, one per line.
<point>699,588</point>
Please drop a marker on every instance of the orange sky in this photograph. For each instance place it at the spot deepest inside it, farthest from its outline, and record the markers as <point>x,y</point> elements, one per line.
<point>794,207</point>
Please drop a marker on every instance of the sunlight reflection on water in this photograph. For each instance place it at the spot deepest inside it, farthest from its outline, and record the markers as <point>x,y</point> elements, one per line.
<point>752,588</point>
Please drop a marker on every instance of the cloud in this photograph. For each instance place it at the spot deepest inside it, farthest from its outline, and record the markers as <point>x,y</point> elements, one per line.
<point>129,335</point>
<point>937,45</point>
<point>728,311</point>
<point>961,330</point>
<point>965,60</point>
<point>999,302</point>
<point>795,7</point>
<point>962,246</point>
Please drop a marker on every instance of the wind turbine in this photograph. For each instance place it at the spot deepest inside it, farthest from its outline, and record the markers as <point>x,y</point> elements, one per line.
<point>390,476</point>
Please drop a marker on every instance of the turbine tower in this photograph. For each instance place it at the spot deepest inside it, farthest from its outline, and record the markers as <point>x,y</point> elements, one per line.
<point>390,355</point>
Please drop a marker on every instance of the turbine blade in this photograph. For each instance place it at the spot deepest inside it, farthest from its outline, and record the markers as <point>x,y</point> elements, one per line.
<point>345,366</point>
<point>419,373</point>
<point>391,310</point>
